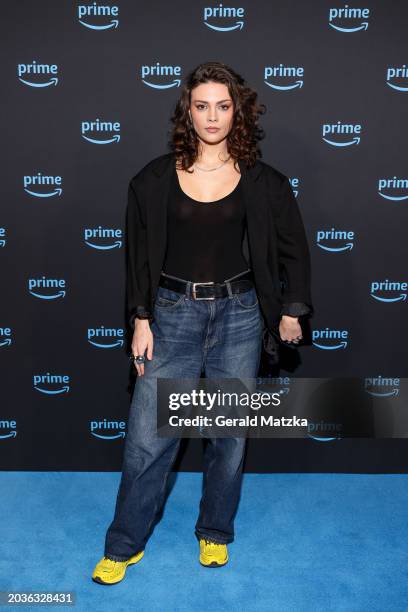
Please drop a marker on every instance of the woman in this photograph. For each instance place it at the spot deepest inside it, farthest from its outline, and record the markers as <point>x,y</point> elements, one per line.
<point>201,283</point>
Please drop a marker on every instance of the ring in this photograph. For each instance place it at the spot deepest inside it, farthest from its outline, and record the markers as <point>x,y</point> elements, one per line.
<point>139,358</point>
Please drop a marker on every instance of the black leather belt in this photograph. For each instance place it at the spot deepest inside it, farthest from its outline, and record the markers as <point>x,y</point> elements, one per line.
<point>210,290</point>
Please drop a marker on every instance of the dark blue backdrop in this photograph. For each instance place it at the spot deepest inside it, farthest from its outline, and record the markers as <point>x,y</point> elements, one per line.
<point>88,91</point>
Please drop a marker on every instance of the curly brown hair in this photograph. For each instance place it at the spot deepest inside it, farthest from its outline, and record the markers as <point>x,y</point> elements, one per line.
<point>242,140</point>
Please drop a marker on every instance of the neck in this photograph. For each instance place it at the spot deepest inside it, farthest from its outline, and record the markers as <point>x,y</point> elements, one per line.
<point>211,155</point>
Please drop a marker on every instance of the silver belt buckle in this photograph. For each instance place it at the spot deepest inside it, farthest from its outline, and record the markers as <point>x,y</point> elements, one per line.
<point>202,298</point>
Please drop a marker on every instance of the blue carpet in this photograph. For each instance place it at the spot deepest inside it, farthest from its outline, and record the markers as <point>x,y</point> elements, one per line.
<point>304,542</point>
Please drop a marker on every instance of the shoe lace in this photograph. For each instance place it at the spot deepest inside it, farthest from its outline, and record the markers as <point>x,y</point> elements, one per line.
<point>109,563</point>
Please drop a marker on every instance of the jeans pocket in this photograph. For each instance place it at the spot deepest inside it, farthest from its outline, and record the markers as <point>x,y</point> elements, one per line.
<point>168,299</point>
<point>247,299</point>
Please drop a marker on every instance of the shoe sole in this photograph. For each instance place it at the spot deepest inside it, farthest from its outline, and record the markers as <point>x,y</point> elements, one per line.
<point>213,564</point>
<point>100,581</point>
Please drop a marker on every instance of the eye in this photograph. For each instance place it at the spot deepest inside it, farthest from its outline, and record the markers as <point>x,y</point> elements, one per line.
<point>223,106</point>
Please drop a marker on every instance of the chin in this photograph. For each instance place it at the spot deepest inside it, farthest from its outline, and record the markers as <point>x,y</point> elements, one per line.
<point>212,138</point>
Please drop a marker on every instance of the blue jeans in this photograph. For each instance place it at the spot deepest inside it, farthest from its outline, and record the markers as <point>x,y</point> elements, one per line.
<point>222,338</point>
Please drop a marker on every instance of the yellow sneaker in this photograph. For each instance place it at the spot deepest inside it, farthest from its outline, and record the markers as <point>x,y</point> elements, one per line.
<point>213,554</point>
<point>108,571</point>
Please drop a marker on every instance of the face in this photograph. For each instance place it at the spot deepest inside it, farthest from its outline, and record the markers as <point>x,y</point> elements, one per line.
<point>211,106</point>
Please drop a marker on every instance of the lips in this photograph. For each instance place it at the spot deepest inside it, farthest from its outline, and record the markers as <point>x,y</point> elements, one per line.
<point>212,129</point>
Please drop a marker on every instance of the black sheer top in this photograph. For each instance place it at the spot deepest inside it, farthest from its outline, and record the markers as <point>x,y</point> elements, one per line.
<point>204,239</point>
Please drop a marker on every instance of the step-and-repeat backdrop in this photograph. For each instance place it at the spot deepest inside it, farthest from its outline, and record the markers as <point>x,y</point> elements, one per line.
<point>88,90</point>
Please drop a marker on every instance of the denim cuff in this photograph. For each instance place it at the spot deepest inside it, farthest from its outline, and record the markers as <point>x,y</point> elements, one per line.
<point>115,557</point>
<point>208,535</point>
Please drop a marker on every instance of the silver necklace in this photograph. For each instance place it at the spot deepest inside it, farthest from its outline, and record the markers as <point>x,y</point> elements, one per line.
<point>212,169</point>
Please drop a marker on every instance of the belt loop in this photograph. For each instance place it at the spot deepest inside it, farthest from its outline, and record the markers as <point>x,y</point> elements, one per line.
<point>188,289</point>
<point>230,295</point>
<point>228,281</point>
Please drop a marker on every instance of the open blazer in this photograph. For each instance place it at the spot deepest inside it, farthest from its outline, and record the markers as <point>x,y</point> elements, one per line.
<point>274,243</point>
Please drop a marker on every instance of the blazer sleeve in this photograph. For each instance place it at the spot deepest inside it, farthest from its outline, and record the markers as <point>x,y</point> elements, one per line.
<point>295,309</point>
<point>293,254</point>
<point>137,268</point>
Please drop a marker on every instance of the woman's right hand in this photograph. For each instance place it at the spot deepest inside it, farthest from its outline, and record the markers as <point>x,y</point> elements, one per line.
<point>142,340</point>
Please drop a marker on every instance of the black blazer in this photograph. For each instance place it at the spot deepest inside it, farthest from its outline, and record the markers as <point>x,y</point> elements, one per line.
<point>274,244</point>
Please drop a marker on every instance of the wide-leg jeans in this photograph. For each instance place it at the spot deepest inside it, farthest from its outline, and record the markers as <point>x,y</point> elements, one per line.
<point>222,338</point>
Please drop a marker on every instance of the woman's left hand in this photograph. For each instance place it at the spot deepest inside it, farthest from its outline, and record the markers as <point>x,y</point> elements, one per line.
<point>289,329</point>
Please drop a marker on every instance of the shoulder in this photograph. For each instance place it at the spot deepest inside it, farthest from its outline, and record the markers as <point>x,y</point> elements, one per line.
<point>151,168</point>
<point>273,180</point>
<point>272,172</point>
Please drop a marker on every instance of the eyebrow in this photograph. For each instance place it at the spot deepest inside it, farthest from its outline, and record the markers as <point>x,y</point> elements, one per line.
<point>219,101</point>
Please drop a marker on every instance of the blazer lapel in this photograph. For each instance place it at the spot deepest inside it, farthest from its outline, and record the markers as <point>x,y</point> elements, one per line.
<point>156,215</point>
<point>255,242</point>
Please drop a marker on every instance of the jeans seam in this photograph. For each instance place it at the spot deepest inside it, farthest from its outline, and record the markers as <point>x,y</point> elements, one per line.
<point>159,496</point>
